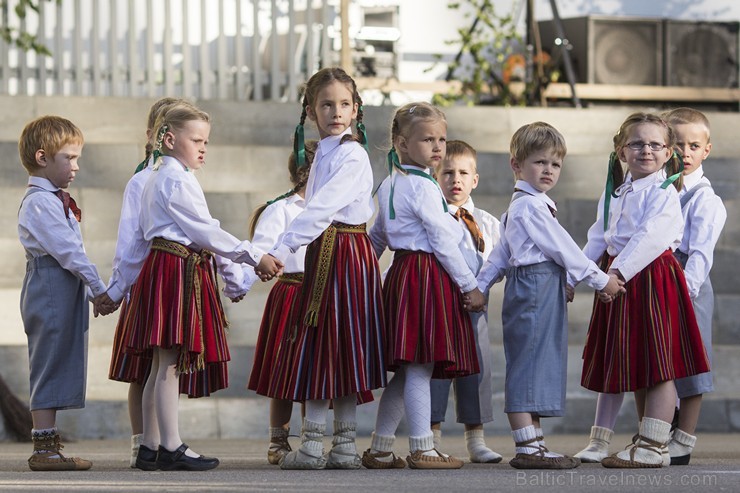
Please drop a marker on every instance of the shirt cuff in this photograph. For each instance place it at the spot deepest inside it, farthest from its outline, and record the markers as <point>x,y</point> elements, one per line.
<point>97,288</point>
<point>281,252</point>
<point>115,294</point>
<point>250,254</point>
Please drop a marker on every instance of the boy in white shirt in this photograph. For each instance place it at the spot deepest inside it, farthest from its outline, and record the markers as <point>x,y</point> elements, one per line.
<point>58,277</point>
<point>458,177</point>
<point>536,253</point>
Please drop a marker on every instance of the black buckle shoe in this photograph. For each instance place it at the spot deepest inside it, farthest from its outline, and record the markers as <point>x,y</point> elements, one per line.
<point>178,461</point>
<point>146,460</point>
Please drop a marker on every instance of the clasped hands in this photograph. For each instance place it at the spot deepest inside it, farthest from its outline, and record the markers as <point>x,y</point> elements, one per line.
<point>268,267</point>
<point>474,301</point>
<point>613,288</point>
<point>104,305</point>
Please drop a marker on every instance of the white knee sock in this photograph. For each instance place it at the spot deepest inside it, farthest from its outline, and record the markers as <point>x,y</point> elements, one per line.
<point>317,410</point>
<point>391,407</point>
<point>418,400</point>
<point>607,410</point>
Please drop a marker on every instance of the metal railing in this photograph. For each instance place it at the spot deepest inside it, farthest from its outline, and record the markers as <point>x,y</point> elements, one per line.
<point>203,49</point>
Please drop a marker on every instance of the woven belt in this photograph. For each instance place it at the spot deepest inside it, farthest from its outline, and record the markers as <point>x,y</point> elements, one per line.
<point>291,278</point>
<point>192,282</point>
<point>321,278</point>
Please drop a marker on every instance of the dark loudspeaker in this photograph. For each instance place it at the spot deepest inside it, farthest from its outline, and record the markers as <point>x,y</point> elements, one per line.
<point>611,50</point>
<point>701,54</point>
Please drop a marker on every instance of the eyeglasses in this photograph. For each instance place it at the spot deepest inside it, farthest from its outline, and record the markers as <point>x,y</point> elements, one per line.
<point>654,146</point>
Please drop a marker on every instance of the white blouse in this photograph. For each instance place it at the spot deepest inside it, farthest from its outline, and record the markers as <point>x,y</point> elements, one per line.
<point>339,189</point>
<point>421,224</point>
<point>644,221</point>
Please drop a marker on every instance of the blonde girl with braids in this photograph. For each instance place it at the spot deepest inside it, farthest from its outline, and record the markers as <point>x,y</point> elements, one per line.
<point>336,348</point>
<point>645,339</point>
<point>425,291</point>
<point>175,312</point>
<point>268,222</point>
<point>126,367</point>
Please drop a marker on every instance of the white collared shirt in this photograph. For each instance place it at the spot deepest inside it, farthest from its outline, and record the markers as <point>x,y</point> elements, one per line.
<point>531,235</point>
<point>421,224</point>
<point>704,217</point>
<point>273,222</point>
<point>644,221</point>
<point>339,189</point>
<point>174,207</point>
<point>43,230</point>
<point>489,227</point>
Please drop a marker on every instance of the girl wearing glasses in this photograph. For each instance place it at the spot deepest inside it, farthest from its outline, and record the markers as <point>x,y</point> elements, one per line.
<point>647,338</point>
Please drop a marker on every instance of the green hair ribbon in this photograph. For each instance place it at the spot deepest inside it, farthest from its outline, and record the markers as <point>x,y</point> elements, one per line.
<point>669,181</point>
<point>299,146</point>
<point>609,192</point>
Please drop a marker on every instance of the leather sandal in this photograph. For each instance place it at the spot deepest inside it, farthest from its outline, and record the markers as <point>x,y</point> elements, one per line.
<point>538,459</point>
<point>370,460</point>
<point>417,460</point>
<point>615,462</point>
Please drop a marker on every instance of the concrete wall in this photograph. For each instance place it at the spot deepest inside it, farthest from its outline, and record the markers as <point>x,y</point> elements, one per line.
<point>246,165</point>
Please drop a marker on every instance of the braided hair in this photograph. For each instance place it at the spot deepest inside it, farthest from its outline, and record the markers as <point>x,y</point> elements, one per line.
<point>318,81</point>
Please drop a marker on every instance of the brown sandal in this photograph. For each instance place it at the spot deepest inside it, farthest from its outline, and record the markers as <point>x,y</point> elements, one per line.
<point>370,460</point>
<point>417,460</point>
<point>614,462</point>
<point>538,460</point>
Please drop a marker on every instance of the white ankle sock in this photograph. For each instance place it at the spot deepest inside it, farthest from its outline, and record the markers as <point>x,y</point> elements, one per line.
<point>540,433</point>
<point>523,435</point>
<point>425,443</point>
<point>477,449</point>
<point>311,438</point>
<point>437,433</point>
<point>652,429</point>
<point>681,443</point>
<point>380,443</point>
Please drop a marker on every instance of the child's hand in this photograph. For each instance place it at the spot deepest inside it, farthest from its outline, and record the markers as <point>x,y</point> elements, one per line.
<point>237,299</point>
<point>570,293</point>
<point>268,267</point>
<point>474,301</point>
<point>613,288</point>
<point>103,305</point>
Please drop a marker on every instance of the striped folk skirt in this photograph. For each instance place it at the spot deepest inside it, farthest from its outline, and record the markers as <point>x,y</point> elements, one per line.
<point>275,330</point>
<point>127,366</point>
<point>646,336</point>
<point>425,317</point>
<point>335,346</point>
<point>175,304</point>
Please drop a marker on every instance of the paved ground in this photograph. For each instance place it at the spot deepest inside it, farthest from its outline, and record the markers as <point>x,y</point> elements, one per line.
<point>715,466</point>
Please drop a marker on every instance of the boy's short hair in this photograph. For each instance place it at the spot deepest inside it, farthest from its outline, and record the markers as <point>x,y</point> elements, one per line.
<point>535,137</point>
<point>49,133</point>
<point>459,148</point>
<point>681,116</point>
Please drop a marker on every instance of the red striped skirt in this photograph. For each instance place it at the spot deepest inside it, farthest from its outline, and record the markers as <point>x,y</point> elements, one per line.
<point>280,312</point>
<point>646,336</point>
<point>426,319</point>
<point>335,345</point>
<point>175,304</point>
<point>127,366</point>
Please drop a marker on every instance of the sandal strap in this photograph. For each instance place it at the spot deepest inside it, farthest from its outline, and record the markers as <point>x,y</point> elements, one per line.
<point>647,444</point>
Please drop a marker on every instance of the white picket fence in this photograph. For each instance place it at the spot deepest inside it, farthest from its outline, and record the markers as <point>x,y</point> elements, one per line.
<point>203,49</point>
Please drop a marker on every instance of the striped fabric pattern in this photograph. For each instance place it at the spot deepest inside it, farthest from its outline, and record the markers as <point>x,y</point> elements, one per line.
<point>155,319</point>
<point>646,336</point>
<point>343,353</point>
<point>426,319</point>
<point>275,329</point>
<point>127,366</point>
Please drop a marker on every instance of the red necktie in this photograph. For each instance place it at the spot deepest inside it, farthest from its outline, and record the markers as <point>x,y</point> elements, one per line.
<point>69,203</point>
<point>467,218</point>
